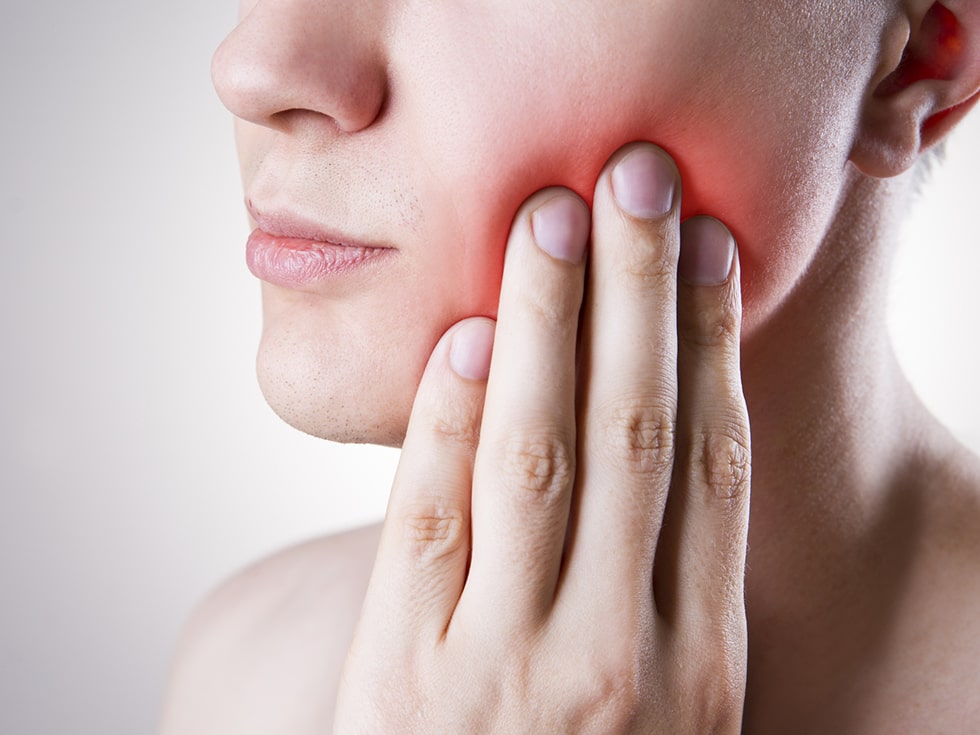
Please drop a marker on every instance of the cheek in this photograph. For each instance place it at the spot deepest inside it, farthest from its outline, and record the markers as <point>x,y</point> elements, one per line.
<point>245,7</point>
<point>764,158</point>
<point>489,165</point>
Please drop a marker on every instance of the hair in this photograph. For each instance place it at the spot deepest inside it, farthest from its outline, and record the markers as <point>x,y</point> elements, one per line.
<point>927,164</point>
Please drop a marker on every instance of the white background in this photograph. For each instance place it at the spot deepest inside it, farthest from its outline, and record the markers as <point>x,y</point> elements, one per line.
<point>138,463</point>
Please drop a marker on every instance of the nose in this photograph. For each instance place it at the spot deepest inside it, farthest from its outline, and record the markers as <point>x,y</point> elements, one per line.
<point>289,56</point>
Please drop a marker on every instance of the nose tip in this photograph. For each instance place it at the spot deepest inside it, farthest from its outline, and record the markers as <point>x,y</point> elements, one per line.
<point>238,82</point>
<point>291,55</point>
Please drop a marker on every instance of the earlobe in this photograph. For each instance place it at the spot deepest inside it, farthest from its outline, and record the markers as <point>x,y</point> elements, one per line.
<point>930,79</point>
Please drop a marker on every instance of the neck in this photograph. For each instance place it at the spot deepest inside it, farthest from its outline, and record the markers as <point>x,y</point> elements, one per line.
<point>833,419</point>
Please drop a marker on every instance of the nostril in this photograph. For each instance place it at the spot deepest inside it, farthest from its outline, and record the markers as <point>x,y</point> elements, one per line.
<point>362,101</point>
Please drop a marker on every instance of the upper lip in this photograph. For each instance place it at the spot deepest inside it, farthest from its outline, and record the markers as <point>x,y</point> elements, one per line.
<point>287,224</point>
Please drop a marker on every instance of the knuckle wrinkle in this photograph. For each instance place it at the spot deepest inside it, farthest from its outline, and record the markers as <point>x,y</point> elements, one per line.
<point>541,465</point>
<point>709,326</point>
<point>434,529</point>
<point>460,430</point>
<point>727,461</point>
<point>643,438</point>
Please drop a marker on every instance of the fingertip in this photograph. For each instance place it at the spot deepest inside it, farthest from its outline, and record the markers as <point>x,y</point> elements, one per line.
<point>561,227</point>
<point>471,348</point>
<point>707,252</point>
<point>645,181</point>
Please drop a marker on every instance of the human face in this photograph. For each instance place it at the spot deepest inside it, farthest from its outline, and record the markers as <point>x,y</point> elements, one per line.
<point>422,126</point>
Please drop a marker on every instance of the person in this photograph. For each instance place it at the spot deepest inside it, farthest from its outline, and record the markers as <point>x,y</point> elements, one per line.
<point>561,252</point>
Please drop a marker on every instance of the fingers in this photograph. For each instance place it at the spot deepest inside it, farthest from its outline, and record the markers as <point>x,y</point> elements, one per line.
<point>525,468</point>
<point>421,563</point>
<point>629,394</point>
<point>708,507</point>
<point>663,425</point>
<point>643,425</point>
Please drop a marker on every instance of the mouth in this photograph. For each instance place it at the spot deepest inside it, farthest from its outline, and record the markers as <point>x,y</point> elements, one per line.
<point>289,251</point>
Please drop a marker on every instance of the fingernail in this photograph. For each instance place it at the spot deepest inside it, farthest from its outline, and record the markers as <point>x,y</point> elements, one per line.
<point>561,228</point>
<point>469,353</point>
<point>643,183</point>
<point>707,250</point>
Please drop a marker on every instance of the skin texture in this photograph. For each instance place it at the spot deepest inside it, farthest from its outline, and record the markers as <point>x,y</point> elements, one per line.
<point>495,569</point>
<point>538,99</point>
<point>797,126</point>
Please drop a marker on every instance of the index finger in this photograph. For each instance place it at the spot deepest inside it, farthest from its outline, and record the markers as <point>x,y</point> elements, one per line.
<point>421,562</point>
<point>525,466</point>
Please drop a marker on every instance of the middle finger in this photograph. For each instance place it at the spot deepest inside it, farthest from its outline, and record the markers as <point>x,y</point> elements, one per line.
<point>628,390</point>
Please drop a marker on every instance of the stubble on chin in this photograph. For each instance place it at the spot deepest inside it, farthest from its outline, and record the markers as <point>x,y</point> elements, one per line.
<point>323,394</point>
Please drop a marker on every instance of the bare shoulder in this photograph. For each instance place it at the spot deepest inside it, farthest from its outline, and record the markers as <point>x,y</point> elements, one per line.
<point>936,639</point>
<point>951,543</point>
<point>952,504</point>
<point>263,653</point>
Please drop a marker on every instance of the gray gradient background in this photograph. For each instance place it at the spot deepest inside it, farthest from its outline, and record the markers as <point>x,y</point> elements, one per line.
<point>138,463</point>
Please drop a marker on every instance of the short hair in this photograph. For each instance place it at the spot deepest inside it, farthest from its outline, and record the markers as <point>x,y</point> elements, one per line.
<point>926,165</point>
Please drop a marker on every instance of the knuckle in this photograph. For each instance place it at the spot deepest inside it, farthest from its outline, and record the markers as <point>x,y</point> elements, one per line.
<point>614,699</point>
<point>614,684</point>
<point>719,680</point>
<point>721,705</point>
<point>433,530</point>
<point>551,303</point>
<point>714,324</point>
<point>539,464</point>
<point>456,428</point>
<point>722,695</point>
<point>639,435</point>
<point>724,458</point>
<point>649,257</point>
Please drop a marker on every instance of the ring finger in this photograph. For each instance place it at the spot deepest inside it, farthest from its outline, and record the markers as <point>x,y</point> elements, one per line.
<point>629,397</point>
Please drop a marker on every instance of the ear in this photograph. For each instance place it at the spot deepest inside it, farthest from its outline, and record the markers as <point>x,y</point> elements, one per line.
<point>928,79</point>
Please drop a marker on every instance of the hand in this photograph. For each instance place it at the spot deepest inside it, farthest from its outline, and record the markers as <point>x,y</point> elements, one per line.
<point>575,563</point>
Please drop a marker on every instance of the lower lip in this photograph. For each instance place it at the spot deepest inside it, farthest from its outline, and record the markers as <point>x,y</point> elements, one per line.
<point>296,263</point>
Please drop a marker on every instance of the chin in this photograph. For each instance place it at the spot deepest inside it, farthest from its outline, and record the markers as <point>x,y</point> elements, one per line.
<point>333,393</point>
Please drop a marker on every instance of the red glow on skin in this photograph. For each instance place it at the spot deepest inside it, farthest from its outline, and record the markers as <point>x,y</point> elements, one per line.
<point>949,39</point>
<point>933,55</point>
<point>539,99</point>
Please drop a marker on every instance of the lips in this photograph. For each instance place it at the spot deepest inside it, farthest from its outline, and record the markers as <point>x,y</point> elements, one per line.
<point>291,252</point>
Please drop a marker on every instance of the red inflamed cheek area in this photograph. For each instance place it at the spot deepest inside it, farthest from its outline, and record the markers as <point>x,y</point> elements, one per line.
<point>474,113</point>
<point>710,183</point>
<point>540,116</point>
